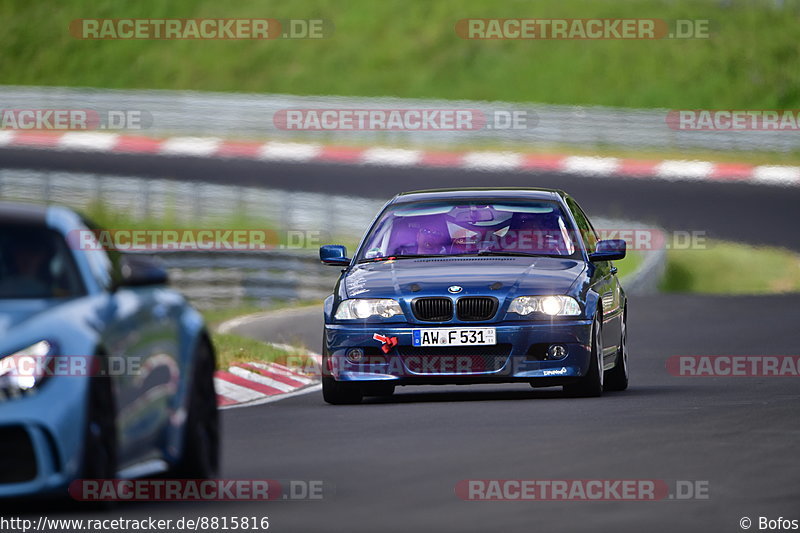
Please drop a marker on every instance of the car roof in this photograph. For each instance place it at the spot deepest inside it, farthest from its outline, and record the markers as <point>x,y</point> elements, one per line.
<point>511,193</point>
<point>22,213</point>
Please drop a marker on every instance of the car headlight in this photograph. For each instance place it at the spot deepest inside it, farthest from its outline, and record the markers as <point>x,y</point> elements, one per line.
<point>365,308</point>
<point>549,305</point>
<point>25,369</point>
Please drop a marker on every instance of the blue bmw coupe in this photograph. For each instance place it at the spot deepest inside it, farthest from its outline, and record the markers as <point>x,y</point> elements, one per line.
<point>476,286</point>
<point>105,372</point>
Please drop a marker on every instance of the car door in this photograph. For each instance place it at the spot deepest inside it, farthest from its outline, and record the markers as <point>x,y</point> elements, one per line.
<point>142,333</point>
<point>139,329</point>
<point>605,283</point>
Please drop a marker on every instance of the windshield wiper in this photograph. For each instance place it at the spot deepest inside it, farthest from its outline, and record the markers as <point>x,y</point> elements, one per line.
<point>400,256</point>
<point>507,253</point>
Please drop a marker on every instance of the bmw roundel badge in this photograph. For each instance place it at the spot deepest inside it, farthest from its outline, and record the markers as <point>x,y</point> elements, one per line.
<point>454,289</point>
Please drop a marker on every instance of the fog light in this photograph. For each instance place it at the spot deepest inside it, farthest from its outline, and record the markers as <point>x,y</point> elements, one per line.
<point>556,351</point>
<point>355,355</point>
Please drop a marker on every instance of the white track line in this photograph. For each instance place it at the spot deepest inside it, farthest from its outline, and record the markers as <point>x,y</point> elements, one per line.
<point>6,137</point>
<point>778,175</point>
<point>598,166</point>
<point>676,170</point>
<point>292,375</point>
<point>85,140</point>
<point>391,157</point>
<point>280,151</point>
<point>235,392</point>
<point>492,160</point>
<point>196,146</point>
<point>258,378</point>
<point>275,398</point>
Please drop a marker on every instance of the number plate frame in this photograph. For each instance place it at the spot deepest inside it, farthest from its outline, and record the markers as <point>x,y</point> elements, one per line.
<point>438,337</point>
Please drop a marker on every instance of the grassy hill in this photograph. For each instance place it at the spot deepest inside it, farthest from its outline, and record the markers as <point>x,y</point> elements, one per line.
<point>410,48</point>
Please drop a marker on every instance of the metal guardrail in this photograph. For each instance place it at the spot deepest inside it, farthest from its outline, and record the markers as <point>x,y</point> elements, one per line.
<point>193,202</point>
<point>220,279</point>
<point>251,115</point>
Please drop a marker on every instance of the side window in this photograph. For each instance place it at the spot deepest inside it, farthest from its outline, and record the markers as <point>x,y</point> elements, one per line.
<point>584,226</point>
<point>35,262</point>
<point>104,263</point>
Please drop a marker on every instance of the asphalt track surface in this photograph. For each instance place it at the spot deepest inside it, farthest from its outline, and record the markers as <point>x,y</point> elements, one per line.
<point>394,464</point>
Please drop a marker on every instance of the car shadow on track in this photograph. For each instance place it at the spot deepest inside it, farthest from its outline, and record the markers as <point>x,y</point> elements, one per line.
<point>505,395</point>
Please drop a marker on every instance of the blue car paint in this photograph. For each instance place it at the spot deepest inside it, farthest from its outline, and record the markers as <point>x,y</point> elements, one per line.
<point>519,276</point>
<point>154,322</point>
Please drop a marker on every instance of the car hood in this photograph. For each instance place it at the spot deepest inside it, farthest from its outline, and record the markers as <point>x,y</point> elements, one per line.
<point>475,275</point>
<point>63,322</point>
<point>14,313</point>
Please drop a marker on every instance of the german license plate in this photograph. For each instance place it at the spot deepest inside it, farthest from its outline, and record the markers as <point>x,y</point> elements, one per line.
<point>454,337</point>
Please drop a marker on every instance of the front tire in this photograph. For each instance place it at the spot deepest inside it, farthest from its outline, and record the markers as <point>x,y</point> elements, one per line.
<point>617,378</point>
<point>200,455</point>
<point>591,385</point>
<point>99,459</point>
<point>100,442</point>
<point>340,392</point>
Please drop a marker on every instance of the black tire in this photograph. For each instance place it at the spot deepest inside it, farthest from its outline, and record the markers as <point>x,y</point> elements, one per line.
<point>591,385</point>
<point>617,378</point>
<point>200,454</point>
<point>340,392</point>
<point>100,437</point>
<point>99,459</point>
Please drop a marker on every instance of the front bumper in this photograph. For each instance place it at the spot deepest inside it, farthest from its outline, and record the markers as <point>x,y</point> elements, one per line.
<point>519,354</point>
<point>48,430</point>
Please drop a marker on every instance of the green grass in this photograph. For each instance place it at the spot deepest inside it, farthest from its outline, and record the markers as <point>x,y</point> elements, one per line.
<point>236,349</point>
<point>409,48</point>
<point>732,268</point>
<point>232,348</point>
<point>215,317</point>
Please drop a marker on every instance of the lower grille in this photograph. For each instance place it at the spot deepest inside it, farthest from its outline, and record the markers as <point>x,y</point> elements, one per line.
<point>470,308</point>
<point>433,309</point>
<point>17,458</point>
<point>454,359</point>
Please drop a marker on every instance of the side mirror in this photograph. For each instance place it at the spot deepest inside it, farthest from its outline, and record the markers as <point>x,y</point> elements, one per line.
<point>609,250</point>
<point>140,271</point>
<point>333,255</point>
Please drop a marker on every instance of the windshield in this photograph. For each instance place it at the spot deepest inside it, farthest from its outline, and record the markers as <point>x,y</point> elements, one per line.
<point>36,263</point>
<point>459,227</point>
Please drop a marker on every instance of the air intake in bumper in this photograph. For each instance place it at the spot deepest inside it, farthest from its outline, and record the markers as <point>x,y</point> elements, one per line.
<point>17,457</point>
